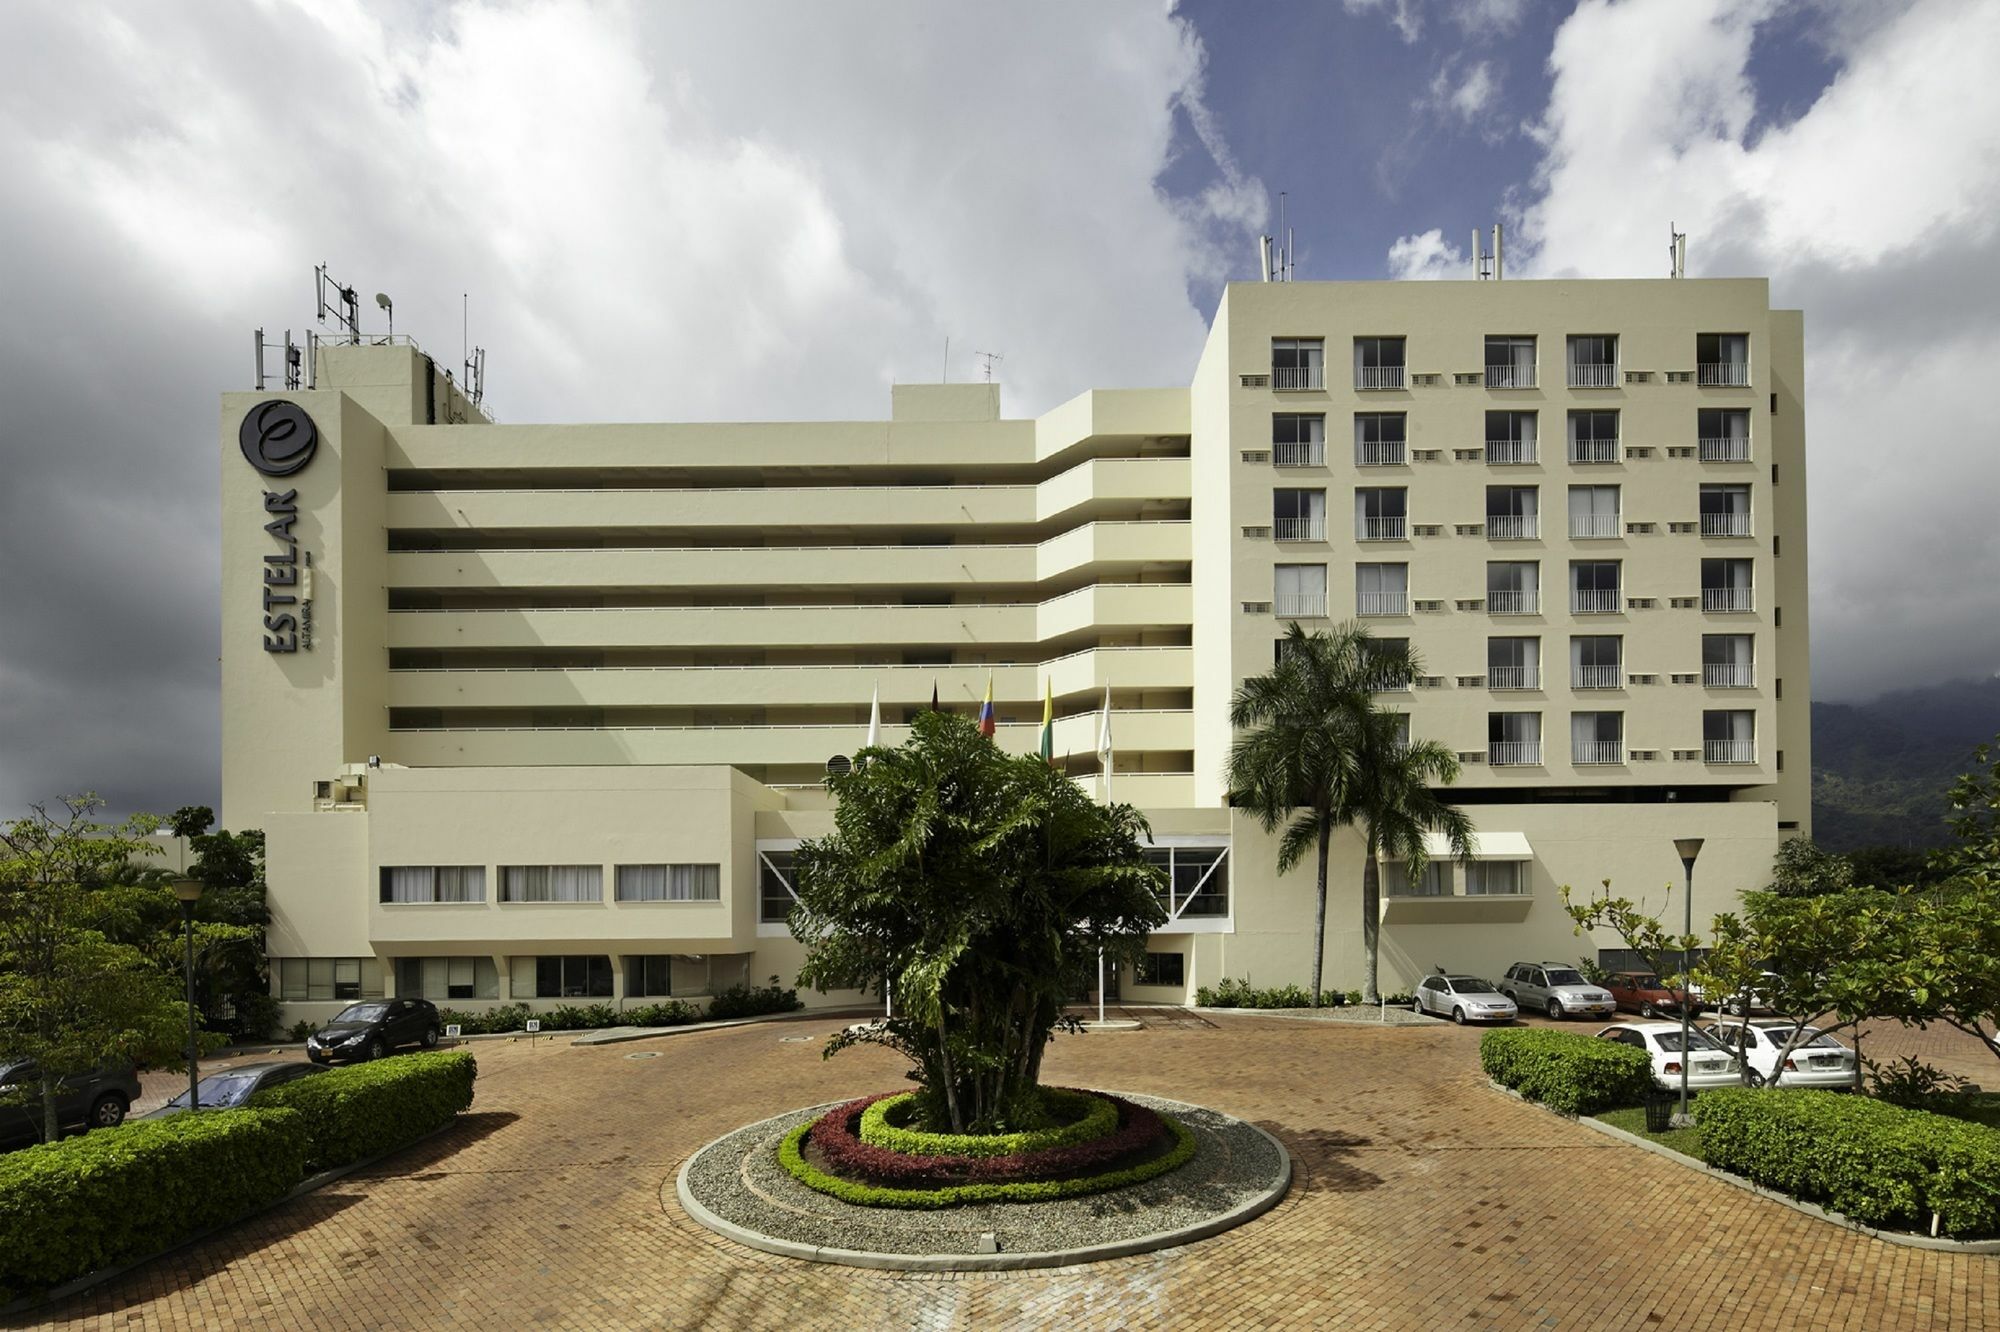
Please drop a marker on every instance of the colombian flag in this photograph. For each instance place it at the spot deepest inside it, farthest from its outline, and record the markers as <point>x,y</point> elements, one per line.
<point>1048,724</point>
<point>986,709</point>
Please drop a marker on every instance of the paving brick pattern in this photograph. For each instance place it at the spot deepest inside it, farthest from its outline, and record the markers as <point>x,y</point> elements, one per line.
<point>1423,1200</point>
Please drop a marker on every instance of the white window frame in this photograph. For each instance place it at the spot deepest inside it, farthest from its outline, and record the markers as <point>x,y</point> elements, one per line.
<point>1176,922</point>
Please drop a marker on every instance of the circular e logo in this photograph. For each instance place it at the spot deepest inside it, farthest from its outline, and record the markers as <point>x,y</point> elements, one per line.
<point>278,438</point>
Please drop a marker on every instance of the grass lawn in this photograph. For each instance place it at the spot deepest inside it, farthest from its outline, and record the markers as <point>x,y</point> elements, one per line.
<point>1686,1141</point>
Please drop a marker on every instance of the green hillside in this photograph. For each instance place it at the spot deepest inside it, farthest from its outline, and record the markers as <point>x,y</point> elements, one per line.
<point>1881,769</point>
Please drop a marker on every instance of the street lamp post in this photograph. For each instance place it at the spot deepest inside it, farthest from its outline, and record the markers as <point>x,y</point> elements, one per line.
<point>189,892</point>
<point>1689,848</point>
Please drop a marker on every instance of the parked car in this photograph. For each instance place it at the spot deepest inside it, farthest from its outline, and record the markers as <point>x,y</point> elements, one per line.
<point>1758,1000</point>
<point>232,1088</point>
<point>85,1101</point>
<point>1554,989</point>
<point>1464,999</point>
<point>1708,1064</point>
<point>1644,993</point>
<point>374,1027</point>
<point>1815,1059</point>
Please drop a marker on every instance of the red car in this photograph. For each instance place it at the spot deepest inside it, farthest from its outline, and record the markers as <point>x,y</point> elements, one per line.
<point>1641,992</point>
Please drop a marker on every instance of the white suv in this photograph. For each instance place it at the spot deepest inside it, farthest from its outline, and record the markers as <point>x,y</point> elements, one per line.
<point>1555,989</point>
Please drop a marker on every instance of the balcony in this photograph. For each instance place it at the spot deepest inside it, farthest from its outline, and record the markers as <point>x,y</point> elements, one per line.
<point>1299,529</point>
<point>1384,603</point>
<point>1593,601</point>
<point>1723,374</point>
<point>1725,448</point>
<point>1378,377</point>
<point>1513,677</point>
<point>1513,526</point>
<point>1725,524</point>
<point>1596,677</point>
<point>1514,753</point>
<point>1593,375</point>
<point>1727,599</point>
<point>1309,454</point>
<point>1510,452</point>
<point>1727,675</point>
<point>1299,605</point>
<point>1382,529</point>
<point>1298,378</point>
<point>1378,453</point>
<point>1514,601</point>
<point>1593,450</point>
<point>1510,376</point>
<point>1596,751</point>
<point>1591,526</point>
<point>1729,751</point>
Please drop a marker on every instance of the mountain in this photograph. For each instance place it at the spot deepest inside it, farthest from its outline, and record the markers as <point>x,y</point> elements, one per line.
<point>1881,769</point>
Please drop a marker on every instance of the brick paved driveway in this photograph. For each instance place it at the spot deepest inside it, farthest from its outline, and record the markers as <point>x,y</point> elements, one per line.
<point>1424,1200</point>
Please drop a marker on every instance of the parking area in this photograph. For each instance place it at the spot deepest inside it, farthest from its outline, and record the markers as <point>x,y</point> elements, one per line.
<point>1424,1199</point>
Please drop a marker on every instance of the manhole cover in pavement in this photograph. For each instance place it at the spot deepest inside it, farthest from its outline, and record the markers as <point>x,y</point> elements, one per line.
<point>798,1040</point>
<point>644,1054</point>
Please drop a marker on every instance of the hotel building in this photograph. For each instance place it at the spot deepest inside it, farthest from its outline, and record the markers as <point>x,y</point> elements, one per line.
<point>539,712</point>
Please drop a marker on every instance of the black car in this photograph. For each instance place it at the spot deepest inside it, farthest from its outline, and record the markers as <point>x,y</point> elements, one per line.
<point>231,1088</point>
<point>374,1027</point>
<point>84,1101</point>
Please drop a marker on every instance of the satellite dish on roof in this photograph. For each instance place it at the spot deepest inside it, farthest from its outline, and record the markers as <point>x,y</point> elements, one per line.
<point>839,766</point>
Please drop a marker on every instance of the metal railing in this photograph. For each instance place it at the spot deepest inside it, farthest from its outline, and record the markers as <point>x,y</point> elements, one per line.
<point>1591,525</point>
<point>1723,374</point>
<point>1510,376</point>
<point>1725,448</point>
<point>1300,606</point>
<point>1379,453</point>
<point>1593,374</point>
<point>1596,677</point>
<point>1514,601</point>
<point>1513,526</point>
<point>1727,674</point>
<point>1729,751</point>
<point>1514,753</point>
<point>1378,377</point>
<point>1299,529</point>
<point>1593,450</point>
<point>1593,600</point>
<point>1513,677</point>
<point>1311,453</point>
<point>1383,603</point>
<point>1725,524</point>
<point>1597,751</point>
<point>1296,377</point>
<point>1510,451</point>
<point>1727,599</point>
<point>1382,529</point>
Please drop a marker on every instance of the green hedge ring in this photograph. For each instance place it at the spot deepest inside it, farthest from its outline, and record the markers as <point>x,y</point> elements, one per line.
<point>1099,1119</point>
<point>867,1195</point>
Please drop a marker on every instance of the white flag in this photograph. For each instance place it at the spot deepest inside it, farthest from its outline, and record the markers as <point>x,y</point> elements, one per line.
<point>1104,743</point>
<point>875,718</point>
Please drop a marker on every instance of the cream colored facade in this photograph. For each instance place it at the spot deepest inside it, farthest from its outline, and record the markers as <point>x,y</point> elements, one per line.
<point>610,662</point>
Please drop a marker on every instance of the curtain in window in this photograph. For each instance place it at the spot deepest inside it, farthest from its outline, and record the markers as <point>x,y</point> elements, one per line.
<point>1725,649</point>
<point>1514,727</point>
<point>461,883</point>
<point>1593,502</point>
<point>1740,726</point>
<point>412,883</point>
<point>642,883</point>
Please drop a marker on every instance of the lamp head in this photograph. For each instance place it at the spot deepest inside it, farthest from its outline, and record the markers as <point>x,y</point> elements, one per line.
<point>188,891</point>
<point>382,299</point>
<point>1689,848</point>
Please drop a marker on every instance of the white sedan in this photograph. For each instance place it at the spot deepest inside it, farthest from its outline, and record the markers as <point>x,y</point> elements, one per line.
<point>1464,999</point>
<point>1708,1064</point>
<point>1815,1059</point>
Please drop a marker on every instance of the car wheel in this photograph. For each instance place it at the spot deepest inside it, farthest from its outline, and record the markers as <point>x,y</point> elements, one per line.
<point>107,1111</point>
<point>1646,1008</point>
<point>1458,1016</point>
<point>377,1050</point>
<point>430,1038</point>
<point>1555,1010</point>
<point>1756,1079</point>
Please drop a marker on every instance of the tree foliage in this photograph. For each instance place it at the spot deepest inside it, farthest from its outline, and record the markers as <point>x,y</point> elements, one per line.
<point>1805,869</point>
<point>977,889</point>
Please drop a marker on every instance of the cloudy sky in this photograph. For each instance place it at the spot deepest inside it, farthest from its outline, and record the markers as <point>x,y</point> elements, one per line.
<point>778,209</point>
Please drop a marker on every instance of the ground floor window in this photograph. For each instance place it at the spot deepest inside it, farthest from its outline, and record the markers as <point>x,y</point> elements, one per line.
<point>447,978</point>
<point>774,887</point>
<point>302,979</point>
<point>649,976</point>
<point>573,976</point>
<point>1496,877</point>
<point>1197,879</point>
<point>1435,881</point>
<point>1161,969</point>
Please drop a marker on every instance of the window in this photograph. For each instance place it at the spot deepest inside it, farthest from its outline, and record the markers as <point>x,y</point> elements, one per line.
<point>1382,589</point>
<point>1298,591</point>
<point>433,883</point>
<point>1727,661</point>
<point>670,883</point>
<point>1379,438</point>
<point>1513,587</point>
<point>1510,437</point>
<point>1724,433</point>
<point>1435,881</point>
<point>1593,587</point>
<point>1593,512</point>
<point>1513,663</point>
<point>1378,363</point>
<point>648,975</point>
<point>1593,437</point>
<point>576,976</point>
<point>1391,653</point>
<point>1510,361</point>
<point>1298,515</point>
<point>1161,969</point>
<point>552,883</point>
<point>1725,511</point>
<point>1381,513</point>
<point>1298,363</point>
<point>447,978</point>
<point>1722,360</point>
<point>774,892</point>
<point>1593,360</point>
<point>302,979</point>
<point>1514,738</point>
<point>1298,440</point>
<point>1490,878</point>
<point>1596,661</point>
<point>1729,736</point>
<point>1725,585</point>
<point>1197,879</point>
<point>1513,513</point>
<point>1596,737</point>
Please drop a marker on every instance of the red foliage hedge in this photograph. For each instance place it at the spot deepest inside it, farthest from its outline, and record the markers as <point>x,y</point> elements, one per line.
<point>835,1136</point>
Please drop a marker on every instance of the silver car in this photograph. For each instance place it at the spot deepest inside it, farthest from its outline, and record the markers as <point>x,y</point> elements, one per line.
<point>1464,999</point>
<point>1555,989</point>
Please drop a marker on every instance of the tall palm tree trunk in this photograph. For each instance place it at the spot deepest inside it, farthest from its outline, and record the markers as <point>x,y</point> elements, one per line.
<point>1319,916</point>
<point>1371,921</point>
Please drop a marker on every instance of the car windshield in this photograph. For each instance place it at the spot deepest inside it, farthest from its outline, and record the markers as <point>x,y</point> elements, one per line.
<point>1470,985</point>
<point>1564,976</point>
<point>1807,1036</point>
<point>218,1089</point>
<point>1698,1040</point>
<point>362,1013</point>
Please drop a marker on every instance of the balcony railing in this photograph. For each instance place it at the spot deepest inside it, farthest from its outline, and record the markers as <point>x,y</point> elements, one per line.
<point>1596,677</point>
<point>1729,751</point>
<point>1510,376</point>
<point>1514,601</point>
<point>1508,452</point>
<point>1378,453</point>
<point>1590,525</point>
<point>1593,600</point>
<point>1723,374</point>
<point>1727,674</point>
<point>1378,377</point>
<point>1727,599</point>
<point>1382,529</point>
<point>1384,603</point>
<point>1725,448</point>
<point>1593,450</point>
<point>1297,377</point>
<point>1597,751</point>
<point>1513,677</point>
<point>1514,753</point>
<point>1593,374</point>
<point>1725,524</point>
<point>1513,526</point>
<point>1312,453</point>
<point>1299,529</point>
<point>1299,605</point>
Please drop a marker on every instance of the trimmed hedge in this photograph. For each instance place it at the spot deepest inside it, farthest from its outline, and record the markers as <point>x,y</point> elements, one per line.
<point>1877,1163</point>
<point>71,1207</point>
<point>1229,993</point>
<point>364,1110</point>
<point>1574,1074</point>
<point>792,1159</point>
<point>1095,1116</point>
<point>1134,1130</point>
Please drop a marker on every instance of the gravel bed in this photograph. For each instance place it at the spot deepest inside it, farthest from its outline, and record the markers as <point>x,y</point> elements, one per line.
<point>737,1177</point>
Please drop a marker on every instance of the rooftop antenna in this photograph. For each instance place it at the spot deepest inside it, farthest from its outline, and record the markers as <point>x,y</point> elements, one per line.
<point>389,307</point>
<point>294,364</point>
<point>987,359</point>
<point>1285,249</point>
<point>1264,258</point>
<point>1499,264</point>
<point>475,376</point>
<point>1479,270</point>
<point>944,374</point>
<point>1677,252</point>
<point>344,306</point>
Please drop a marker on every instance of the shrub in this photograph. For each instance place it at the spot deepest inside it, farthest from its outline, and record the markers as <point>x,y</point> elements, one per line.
<point>69,1208</point>
<point>256,1015</point>
<point>364,1110</point>
<point>1917,1086</point>
<point>580,1017</point>
<point>1242,994</point>
<point>1872,1161</point>
<point>302,1029</point>
<point>1089,1115</point>
<point>743,1001</point>
<point>668,1013</point>
<point>1132,1130</point>
<point>1574,1074</point>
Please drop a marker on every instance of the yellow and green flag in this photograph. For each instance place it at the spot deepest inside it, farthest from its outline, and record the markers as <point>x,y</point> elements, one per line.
<point>1048,724</point>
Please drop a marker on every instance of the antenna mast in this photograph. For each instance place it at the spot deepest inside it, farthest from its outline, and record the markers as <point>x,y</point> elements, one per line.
<point>987,359</point>
<point>345,306</point>
<point>1677,252</point>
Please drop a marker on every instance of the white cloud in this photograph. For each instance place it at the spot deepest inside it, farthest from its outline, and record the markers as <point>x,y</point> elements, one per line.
<point>1478,19</point>
<point>1406,16</point>
<point>1427,257</point>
